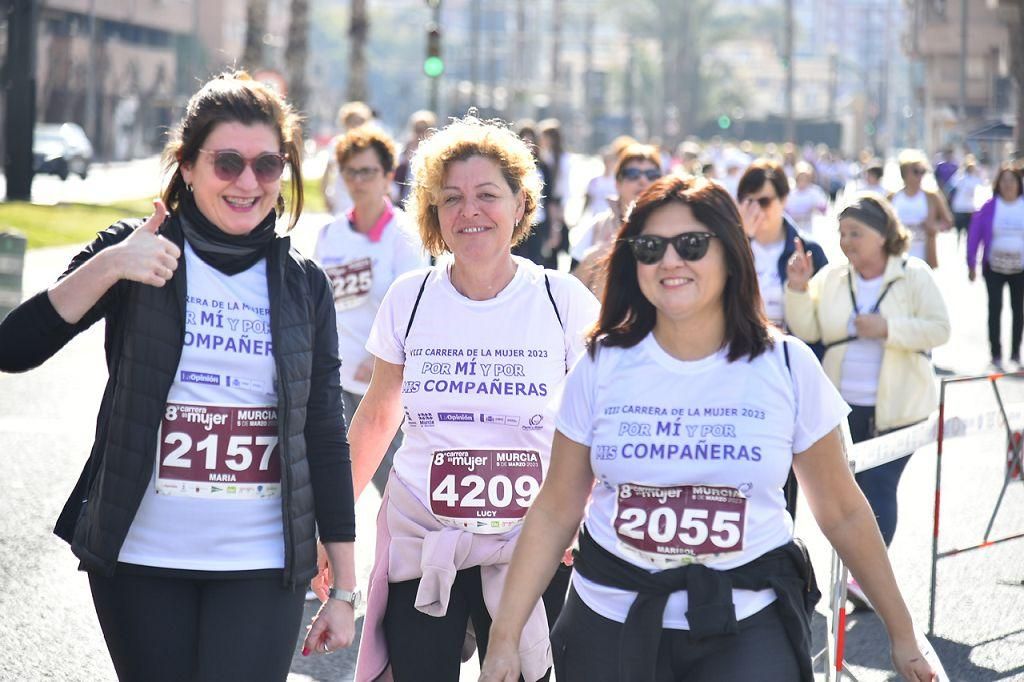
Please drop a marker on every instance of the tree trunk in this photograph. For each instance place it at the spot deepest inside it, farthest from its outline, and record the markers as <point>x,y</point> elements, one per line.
<point>297,54</point>
<point>358,31</point>
<point>555,87</point>
<point>1016,28</point>
<point>521,61</point>
<point>790,133</point>
<point>255,28</point>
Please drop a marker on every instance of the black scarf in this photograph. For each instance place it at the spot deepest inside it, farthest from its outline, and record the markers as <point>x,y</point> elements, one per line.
<point>231,254</point>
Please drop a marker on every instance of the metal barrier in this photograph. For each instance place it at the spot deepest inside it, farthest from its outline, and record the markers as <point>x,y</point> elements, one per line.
<point>883,449</point>
<point>1013,472</point>
<point>12,265</point>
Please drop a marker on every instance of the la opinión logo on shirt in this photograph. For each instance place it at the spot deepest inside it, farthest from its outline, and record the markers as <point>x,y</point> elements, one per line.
<point>455,417</point>
<point>200,378</point>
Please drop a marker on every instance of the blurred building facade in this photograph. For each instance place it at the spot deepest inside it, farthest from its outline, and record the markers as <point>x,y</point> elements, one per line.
<point>960,72</point>
<point>113,67</point>
<point>124,69</point>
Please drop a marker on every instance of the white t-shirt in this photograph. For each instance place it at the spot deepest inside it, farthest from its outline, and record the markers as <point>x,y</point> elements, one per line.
<point>858,377</point>
<point>1007,255</point>
<point>801,204</point>
<point>214,500</point>
<point>963,198</point>
<point>766,262</point>
<point>727,430</point>
<point>599,190</point>
<point>913,212</point>
<point>361,271</point>
<point>581,237</point>
<point>479,377</point>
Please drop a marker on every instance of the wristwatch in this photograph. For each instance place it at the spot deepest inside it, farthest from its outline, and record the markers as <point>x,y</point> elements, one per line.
<point>355,598</point>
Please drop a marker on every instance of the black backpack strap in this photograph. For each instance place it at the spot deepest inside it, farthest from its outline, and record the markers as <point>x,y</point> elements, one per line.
<point>839,342</point>
<point>551,297</point>
<point>874,309</point>
<point>416,305</point>
<point>790,489</point>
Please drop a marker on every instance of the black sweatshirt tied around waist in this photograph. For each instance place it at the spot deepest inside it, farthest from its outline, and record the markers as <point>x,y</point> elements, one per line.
<point>787,570</point>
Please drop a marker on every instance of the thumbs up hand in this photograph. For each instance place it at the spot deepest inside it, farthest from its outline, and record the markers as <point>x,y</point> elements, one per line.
<point>146,256</point>
<point>800,268</point>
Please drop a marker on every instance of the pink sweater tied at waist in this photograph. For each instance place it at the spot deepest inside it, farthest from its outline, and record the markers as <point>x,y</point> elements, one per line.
<point>412,543</point>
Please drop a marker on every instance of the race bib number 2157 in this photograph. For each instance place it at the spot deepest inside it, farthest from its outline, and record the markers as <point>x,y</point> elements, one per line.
<point>221,452</point>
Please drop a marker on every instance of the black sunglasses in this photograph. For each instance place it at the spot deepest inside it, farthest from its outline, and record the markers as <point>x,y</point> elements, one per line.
<point>636,173</point>
<point>650,248</point>
<point>228,165</point>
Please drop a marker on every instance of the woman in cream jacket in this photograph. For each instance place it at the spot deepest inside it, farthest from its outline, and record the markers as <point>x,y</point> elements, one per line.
<point>879,315</point>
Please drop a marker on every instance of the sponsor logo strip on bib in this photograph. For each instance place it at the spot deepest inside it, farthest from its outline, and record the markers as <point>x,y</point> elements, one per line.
<point>218,452</point>
<point>676,525</point>
<point>483,491</point>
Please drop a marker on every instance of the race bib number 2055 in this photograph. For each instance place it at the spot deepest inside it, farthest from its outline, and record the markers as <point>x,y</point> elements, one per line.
<point>675,525</point>
<point>483,491</point>
<point>218,452</point>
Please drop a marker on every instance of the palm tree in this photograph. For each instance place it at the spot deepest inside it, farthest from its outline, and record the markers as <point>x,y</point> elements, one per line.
<point>297,53</point>
<point>255,28</point>
<point>359,29</point>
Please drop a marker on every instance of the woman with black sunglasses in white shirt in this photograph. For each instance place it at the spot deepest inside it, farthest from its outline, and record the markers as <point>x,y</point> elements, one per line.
<point>673,440</point>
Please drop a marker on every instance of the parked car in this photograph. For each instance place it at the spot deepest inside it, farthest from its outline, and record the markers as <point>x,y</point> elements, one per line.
<point>61,149</point>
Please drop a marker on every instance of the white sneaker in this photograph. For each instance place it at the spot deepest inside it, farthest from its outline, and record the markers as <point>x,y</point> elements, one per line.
<point>856,596</point>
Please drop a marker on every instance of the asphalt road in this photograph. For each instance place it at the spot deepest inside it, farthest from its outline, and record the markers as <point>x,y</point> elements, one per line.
<point>106,183</point>
<point>48,630</point>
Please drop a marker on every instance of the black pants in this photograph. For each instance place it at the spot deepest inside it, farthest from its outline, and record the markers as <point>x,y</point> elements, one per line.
<point>427,648</point>
<point>962,221</point>
<point>586,649</point>
<point>879,484</point>
<point>994,282</point>
<point>179,630</point>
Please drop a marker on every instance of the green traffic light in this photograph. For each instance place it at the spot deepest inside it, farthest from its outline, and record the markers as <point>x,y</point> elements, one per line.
<point>724,122</point>
<point>433,66</point>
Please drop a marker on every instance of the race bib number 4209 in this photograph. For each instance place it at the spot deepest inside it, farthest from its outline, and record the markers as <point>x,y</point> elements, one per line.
<point>218,452</point>
<point>483,491</point>
<point>676,525</point>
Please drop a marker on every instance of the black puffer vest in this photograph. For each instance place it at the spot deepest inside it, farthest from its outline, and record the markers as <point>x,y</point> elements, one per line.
<point>144,338</point>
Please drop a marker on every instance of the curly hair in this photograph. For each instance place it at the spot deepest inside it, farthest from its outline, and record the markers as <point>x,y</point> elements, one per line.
<point>233,97</point>
<point>366,137</point>
<point>462,139</point>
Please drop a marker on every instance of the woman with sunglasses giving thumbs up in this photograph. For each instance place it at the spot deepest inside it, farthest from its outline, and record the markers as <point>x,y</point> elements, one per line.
<point>674,437</point>
<point>220,450</point>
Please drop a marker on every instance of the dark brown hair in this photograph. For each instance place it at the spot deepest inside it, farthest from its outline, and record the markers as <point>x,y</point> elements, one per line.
<point>1008,168</point>
<point>897,239</point>
<point>760,172</point>
<point>626,314</point>
<point>365,137</point>
<point>234,97</point>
